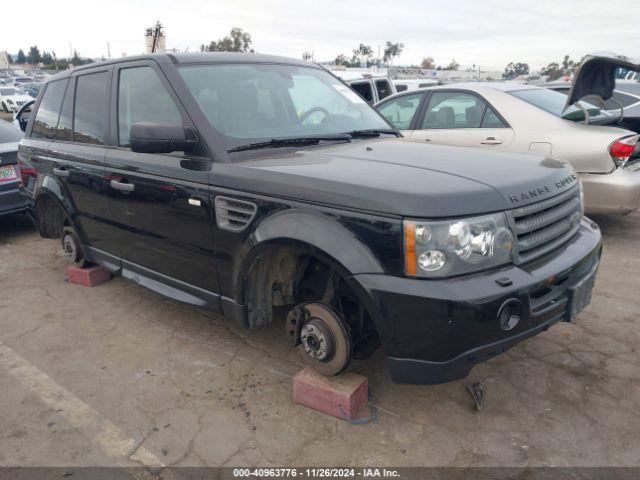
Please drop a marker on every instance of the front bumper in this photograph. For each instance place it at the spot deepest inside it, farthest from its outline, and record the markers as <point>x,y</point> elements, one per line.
<point>615,192</point>
<point>435,331</point>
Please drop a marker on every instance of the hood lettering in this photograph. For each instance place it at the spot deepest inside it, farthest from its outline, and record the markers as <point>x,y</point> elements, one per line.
<point>544,190</point>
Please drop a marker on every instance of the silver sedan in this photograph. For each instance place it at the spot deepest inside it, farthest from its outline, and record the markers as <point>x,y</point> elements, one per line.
<point>523,118</point>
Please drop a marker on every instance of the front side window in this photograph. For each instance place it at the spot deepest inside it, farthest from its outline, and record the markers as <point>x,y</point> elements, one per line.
<point>384,89</point>
<point>46,121</point>
<point>142,98</point>
<point>454,110</point>
<point>90,113</point>
<point>253,102</point>
<point>554,102</point>
<point>400,111</point>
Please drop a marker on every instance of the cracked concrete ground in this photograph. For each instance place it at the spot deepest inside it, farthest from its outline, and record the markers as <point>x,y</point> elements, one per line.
<point>117,375</point>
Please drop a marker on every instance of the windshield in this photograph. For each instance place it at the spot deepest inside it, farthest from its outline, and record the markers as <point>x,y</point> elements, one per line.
<point>7,91</point>
<point>554,102</point>
<point>253,102</point>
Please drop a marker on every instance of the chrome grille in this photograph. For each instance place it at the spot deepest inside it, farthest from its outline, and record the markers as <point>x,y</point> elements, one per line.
<point>544,226</point>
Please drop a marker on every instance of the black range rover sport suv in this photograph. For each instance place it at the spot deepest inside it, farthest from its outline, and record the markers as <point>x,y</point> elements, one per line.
<point>265,189</point>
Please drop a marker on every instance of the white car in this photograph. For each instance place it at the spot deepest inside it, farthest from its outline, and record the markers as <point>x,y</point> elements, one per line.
<point>523,118</point>
<point>370,86</point>
<point>11,99</point>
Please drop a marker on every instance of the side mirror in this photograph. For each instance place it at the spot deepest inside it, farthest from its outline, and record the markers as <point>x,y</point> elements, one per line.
<point>21,118</point>
<point>154,138</point>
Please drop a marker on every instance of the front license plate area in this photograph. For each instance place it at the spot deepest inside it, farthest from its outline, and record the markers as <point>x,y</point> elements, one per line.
<point>581,293</point>
<point>7,173</point>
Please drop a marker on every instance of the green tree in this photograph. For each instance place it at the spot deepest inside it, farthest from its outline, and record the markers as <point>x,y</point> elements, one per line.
<point>21,57</point>
<point>514,69</point>
<point>342,60</point>
<point>453,65</point>
<point>391,51</point>
<point>237,41</point>
<point>47,59</point>
<point>34,56</point>
<point>428,63</point>
<point>554,71</point>
<point>361,54</point>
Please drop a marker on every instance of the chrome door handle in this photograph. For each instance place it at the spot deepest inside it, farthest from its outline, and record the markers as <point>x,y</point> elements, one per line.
<point>61,172</point>
<point>196,202</point>
<point>123,187</point>
<point>491,141</point>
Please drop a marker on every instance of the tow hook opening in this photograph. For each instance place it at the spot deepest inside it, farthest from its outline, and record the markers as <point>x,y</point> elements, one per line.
<point>510,314</point>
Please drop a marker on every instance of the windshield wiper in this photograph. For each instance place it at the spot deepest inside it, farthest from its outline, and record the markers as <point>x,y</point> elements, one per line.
<point>373,132</point>
<point>292,142</point>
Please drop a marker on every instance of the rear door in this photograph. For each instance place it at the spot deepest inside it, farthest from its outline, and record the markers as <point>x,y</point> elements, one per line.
<point>456,117</point>
<point>74,155</point>
<point>159,203</point>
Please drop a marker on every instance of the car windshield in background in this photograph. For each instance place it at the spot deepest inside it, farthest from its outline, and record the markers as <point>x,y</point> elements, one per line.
<point>554,103</point>
<point>253,102</point>
<point>8,91</point>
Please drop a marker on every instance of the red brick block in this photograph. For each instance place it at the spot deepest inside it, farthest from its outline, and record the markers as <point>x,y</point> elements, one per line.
<point>89,277</point>
<point>341,396</point>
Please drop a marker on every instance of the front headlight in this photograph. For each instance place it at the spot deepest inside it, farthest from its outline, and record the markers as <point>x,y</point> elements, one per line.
<point>455,247</point>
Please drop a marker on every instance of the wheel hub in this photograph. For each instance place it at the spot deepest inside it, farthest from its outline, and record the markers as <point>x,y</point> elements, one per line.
<point>69,246</point>
<point>317,340</point>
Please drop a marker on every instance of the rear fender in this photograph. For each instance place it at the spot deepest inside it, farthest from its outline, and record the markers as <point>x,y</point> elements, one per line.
<point>53,189</point>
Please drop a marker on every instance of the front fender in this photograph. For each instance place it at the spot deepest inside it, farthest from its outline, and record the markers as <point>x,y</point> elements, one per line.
<point>321,232</point>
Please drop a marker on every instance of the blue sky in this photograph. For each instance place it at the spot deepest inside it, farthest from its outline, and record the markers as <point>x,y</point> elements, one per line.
<point>489,33</point>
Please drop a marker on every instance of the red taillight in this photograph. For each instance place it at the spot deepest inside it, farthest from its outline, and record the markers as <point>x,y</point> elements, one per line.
<point>622,148</point>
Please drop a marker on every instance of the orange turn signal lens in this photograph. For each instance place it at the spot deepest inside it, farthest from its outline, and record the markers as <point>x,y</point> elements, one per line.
<point>409,248</point>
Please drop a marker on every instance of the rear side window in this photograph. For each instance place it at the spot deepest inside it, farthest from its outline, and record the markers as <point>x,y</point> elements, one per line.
<point>142,98</point>
<point>89,122</point>
<point>46,121</point>
<point>384,89</point>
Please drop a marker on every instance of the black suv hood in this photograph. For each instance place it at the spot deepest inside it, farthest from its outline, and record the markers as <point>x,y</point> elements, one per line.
<point>399,177</point>
<point>597,76</point>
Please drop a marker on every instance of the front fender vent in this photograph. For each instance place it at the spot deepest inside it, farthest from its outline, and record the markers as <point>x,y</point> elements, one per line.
<point>234,215</point>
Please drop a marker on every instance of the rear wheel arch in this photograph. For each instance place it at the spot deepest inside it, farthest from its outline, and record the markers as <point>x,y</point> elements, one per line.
<point>51,214</point>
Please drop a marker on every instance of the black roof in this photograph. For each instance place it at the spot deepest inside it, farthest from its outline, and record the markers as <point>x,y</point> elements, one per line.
<point>193,58</point>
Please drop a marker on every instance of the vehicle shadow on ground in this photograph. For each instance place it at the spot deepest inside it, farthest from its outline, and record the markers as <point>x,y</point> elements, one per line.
<point>622,225</point>
<point>14,226</point>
